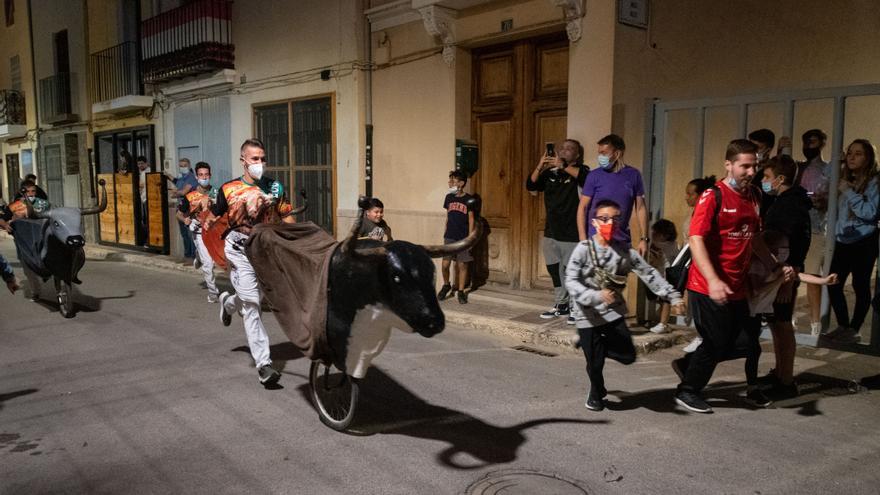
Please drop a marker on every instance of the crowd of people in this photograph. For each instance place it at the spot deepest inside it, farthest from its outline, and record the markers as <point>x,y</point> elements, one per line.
<point>752,237</point>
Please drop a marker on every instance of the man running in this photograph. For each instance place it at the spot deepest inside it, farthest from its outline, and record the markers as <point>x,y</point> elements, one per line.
<point>249,200</point>
<point>190,208</point>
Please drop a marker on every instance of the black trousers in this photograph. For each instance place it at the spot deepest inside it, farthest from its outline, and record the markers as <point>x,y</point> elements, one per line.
<point>612,340</point>
<point>728,332</point>
<point>858,259</point>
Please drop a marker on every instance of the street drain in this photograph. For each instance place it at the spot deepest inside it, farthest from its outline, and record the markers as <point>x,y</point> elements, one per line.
<point>525,481</point>
<point>539,352</point>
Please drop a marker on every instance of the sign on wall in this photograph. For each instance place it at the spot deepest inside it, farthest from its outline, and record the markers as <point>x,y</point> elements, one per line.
<point>71,154</point>
<point>633,13</point>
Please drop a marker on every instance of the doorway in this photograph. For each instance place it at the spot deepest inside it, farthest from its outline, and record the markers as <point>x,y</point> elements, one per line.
<point>13,176</point>
<point>519,103</point>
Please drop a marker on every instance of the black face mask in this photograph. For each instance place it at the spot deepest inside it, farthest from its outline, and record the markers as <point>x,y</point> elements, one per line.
<point>810,153</point>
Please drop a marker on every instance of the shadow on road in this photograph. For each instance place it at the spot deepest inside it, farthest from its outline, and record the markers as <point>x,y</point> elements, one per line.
<point>281,353</point>
<point>387,407</point>
<point>17,393</point>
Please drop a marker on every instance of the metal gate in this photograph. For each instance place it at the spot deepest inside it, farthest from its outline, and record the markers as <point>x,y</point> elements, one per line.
<point>688,138</point>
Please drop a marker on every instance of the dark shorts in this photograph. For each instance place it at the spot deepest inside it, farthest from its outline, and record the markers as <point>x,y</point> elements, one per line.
<point>461,256</point>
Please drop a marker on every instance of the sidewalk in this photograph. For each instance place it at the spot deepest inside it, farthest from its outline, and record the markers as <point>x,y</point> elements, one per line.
<point>495,310</point>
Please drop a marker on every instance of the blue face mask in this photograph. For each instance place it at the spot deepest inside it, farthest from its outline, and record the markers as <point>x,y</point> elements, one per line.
<point>604,161</point>
<point>204,182</point>
<point>732,183</point>
<point>767,187</point>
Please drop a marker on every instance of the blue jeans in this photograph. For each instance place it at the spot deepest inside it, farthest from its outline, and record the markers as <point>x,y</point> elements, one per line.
<point>189,247</point>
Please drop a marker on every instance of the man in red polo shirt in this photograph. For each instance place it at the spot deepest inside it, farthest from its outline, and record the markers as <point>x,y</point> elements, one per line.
<point>721,246</point>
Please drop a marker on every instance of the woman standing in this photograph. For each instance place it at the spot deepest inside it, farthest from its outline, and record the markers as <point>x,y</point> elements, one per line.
<point>855,242</point>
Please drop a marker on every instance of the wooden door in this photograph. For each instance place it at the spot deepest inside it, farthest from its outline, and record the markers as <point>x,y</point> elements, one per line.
<point>519,103</point>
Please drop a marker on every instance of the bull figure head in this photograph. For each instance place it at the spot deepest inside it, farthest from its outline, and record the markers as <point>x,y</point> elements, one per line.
<point>65,224</point>
<point>406,273</point>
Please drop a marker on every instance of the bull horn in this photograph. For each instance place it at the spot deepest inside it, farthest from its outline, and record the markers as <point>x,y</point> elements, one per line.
<point>300,209</point>
<point>103,204</point>
<point>438,251</point>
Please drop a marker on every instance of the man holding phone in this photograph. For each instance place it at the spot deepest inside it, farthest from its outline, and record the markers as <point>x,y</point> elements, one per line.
<point>560,176</point>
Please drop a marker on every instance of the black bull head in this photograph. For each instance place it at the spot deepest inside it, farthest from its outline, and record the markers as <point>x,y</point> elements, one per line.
<point>62,252</point>
<point>398,275</point>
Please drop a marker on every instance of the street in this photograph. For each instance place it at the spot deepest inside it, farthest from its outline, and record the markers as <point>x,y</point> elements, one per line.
<point>145,392</point>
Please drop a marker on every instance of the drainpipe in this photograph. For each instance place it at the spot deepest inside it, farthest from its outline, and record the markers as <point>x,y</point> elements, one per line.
<point>35,152</point>
<point>368,111</point>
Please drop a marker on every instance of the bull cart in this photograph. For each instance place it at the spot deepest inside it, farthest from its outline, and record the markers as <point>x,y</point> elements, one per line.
<point>50,245</point>
<point>338,302</point>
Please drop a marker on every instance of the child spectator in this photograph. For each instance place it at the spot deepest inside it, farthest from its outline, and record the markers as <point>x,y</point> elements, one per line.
<point>459,223</point>
<point>595,279</point>
<point>662,252</point>
<point>374,225</point>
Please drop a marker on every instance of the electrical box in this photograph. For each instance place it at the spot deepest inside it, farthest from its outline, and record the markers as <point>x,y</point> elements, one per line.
<point>467,156</point>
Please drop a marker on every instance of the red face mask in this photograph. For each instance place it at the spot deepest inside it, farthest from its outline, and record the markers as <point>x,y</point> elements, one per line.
<point>606,231</point>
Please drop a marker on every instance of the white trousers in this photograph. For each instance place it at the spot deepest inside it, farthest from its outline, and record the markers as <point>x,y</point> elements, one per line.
<point>246,300</point>
<point>207,265</point>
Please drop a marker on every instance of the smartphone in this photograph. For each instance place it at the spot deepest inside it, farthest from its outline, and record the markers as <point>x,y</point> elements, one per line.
<point>551,149</point>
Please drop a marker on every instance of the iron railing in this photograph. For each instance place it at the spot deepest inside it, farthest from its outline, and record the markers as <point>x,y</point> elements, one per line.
<point>55,101</point>
<point>12,109</point>
<point>189,40</point>
<point>115,72</point>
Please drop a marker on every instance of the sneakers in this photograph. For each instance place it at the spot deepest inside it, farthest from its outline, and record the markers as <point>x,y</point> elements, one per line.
<point>558,310</point>
<point>268,375</point>
<point>693,345</point>
<point>660,328</point>
<point>444,292</point>
<point>225,317</point>
<point>679,366</point>
<point>594,403</point>
<point>462,297</point>
<point>692,402</point>
<point>815,328</point>
<point>570,320</point>
<point>757,398</point>
<point>212,298</point>
<point>197,263</point>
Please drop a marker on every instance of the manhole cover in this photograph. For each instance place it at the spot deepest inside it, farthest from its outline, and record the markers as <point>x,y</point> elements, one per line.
<point>525,482</point>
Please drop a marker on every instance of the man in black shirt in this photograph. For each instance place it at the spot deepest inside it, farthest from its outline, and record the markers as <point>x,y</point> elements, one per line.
<point>560,178</point>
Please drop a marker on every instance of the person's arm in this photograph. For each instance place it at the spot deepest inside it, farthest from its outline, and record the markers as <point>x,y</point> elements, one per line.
<point>816,280</point>
<point>642,218</point>
<point>718,290</point>
<point>470,221</point>
<point>863,206</point>
<point>583,207</point>
<point>535,182</point>
<point>654,279</point>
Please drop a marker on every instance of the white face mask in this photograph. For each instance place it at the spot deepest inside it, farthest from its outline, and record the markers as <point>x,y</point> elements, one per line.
<point>255,170</point>
<point>184,170</point>
<point>31,198</point>
<point>204,182</point>
<point>452,190</point>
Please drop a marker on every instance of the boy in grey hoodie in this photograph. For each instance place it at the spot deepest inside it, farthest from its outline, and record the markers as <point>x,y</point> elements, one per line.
<point>595,279</point>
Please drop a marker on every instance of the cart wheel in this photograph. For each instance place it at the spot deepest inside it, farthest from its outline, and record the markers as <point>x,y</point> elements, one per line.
<point>335,395</point>
<point>65,300</point>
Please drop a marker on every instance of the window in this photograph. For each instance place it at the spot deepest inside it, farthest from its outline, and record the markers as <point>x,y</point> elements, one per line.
<point>9,11</point>
<point>298,136</point>
<point>15,72</point>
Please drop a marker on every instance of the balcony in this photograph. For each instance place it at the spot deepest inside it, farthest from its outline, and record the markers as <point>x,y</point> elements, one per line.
<point>188,41</point>
<point>115,82</point>
<point>56,106</point>
<point>13,116</point>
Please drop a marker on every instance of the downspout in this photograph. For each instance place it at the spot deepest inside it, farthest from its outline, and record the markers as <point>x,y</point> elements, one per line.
<point>368,111</point>
<point>35,152</point>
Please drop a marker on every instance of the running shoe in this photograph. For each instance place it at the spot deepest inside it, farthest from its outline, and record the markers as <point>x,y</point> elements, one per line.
<point>594,403</point>
<point>444,292</point>
<point>757,398</point>
<point>556,311</point>
<point>268,375</point>
<point>660,328</point>
<point>225,317</point>
<point>692,402</point>
<point>462,297</point>
<point>212,298</point>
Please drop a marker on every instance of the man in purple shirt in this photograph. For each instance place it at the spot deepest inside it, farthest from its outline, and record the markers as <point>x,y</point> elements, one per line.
<point>620,183</point>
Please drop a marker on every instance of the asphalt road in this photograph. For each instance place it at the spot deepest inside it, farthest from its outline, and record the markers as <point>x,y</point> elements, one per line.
<point>145,392</point>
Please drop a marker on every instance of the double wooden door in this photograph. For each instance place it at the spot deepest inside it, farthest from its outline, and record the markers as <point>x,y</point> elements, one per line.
<point>520,99</point>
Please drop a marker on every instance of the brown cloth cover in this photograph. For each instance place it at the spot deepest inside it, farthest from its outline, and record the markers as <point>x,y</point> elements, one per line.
<point>292,262</point>
<point>213,240</point>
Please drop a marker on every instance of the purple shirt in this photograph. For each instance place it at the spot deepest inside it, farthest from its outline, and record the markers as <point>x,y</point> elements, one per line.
<point>622,187</point>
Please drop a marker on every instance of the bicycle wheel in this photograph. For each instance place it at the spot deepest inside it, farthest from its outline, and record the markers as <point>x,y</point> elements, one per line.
<point>335,395</point>
<point>65,300</point>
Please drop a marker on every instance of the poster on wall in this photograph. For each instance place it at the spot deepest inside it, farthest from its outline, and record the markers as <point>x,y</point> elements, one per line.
<point>71,154</point>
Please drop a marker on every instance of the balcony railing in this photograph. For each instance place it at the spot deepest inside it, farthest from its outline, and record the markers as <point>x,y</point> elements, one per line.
<point>115,72</point>
<point>190,40</point>
<point>12,109</point>
<point>55,99</point>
